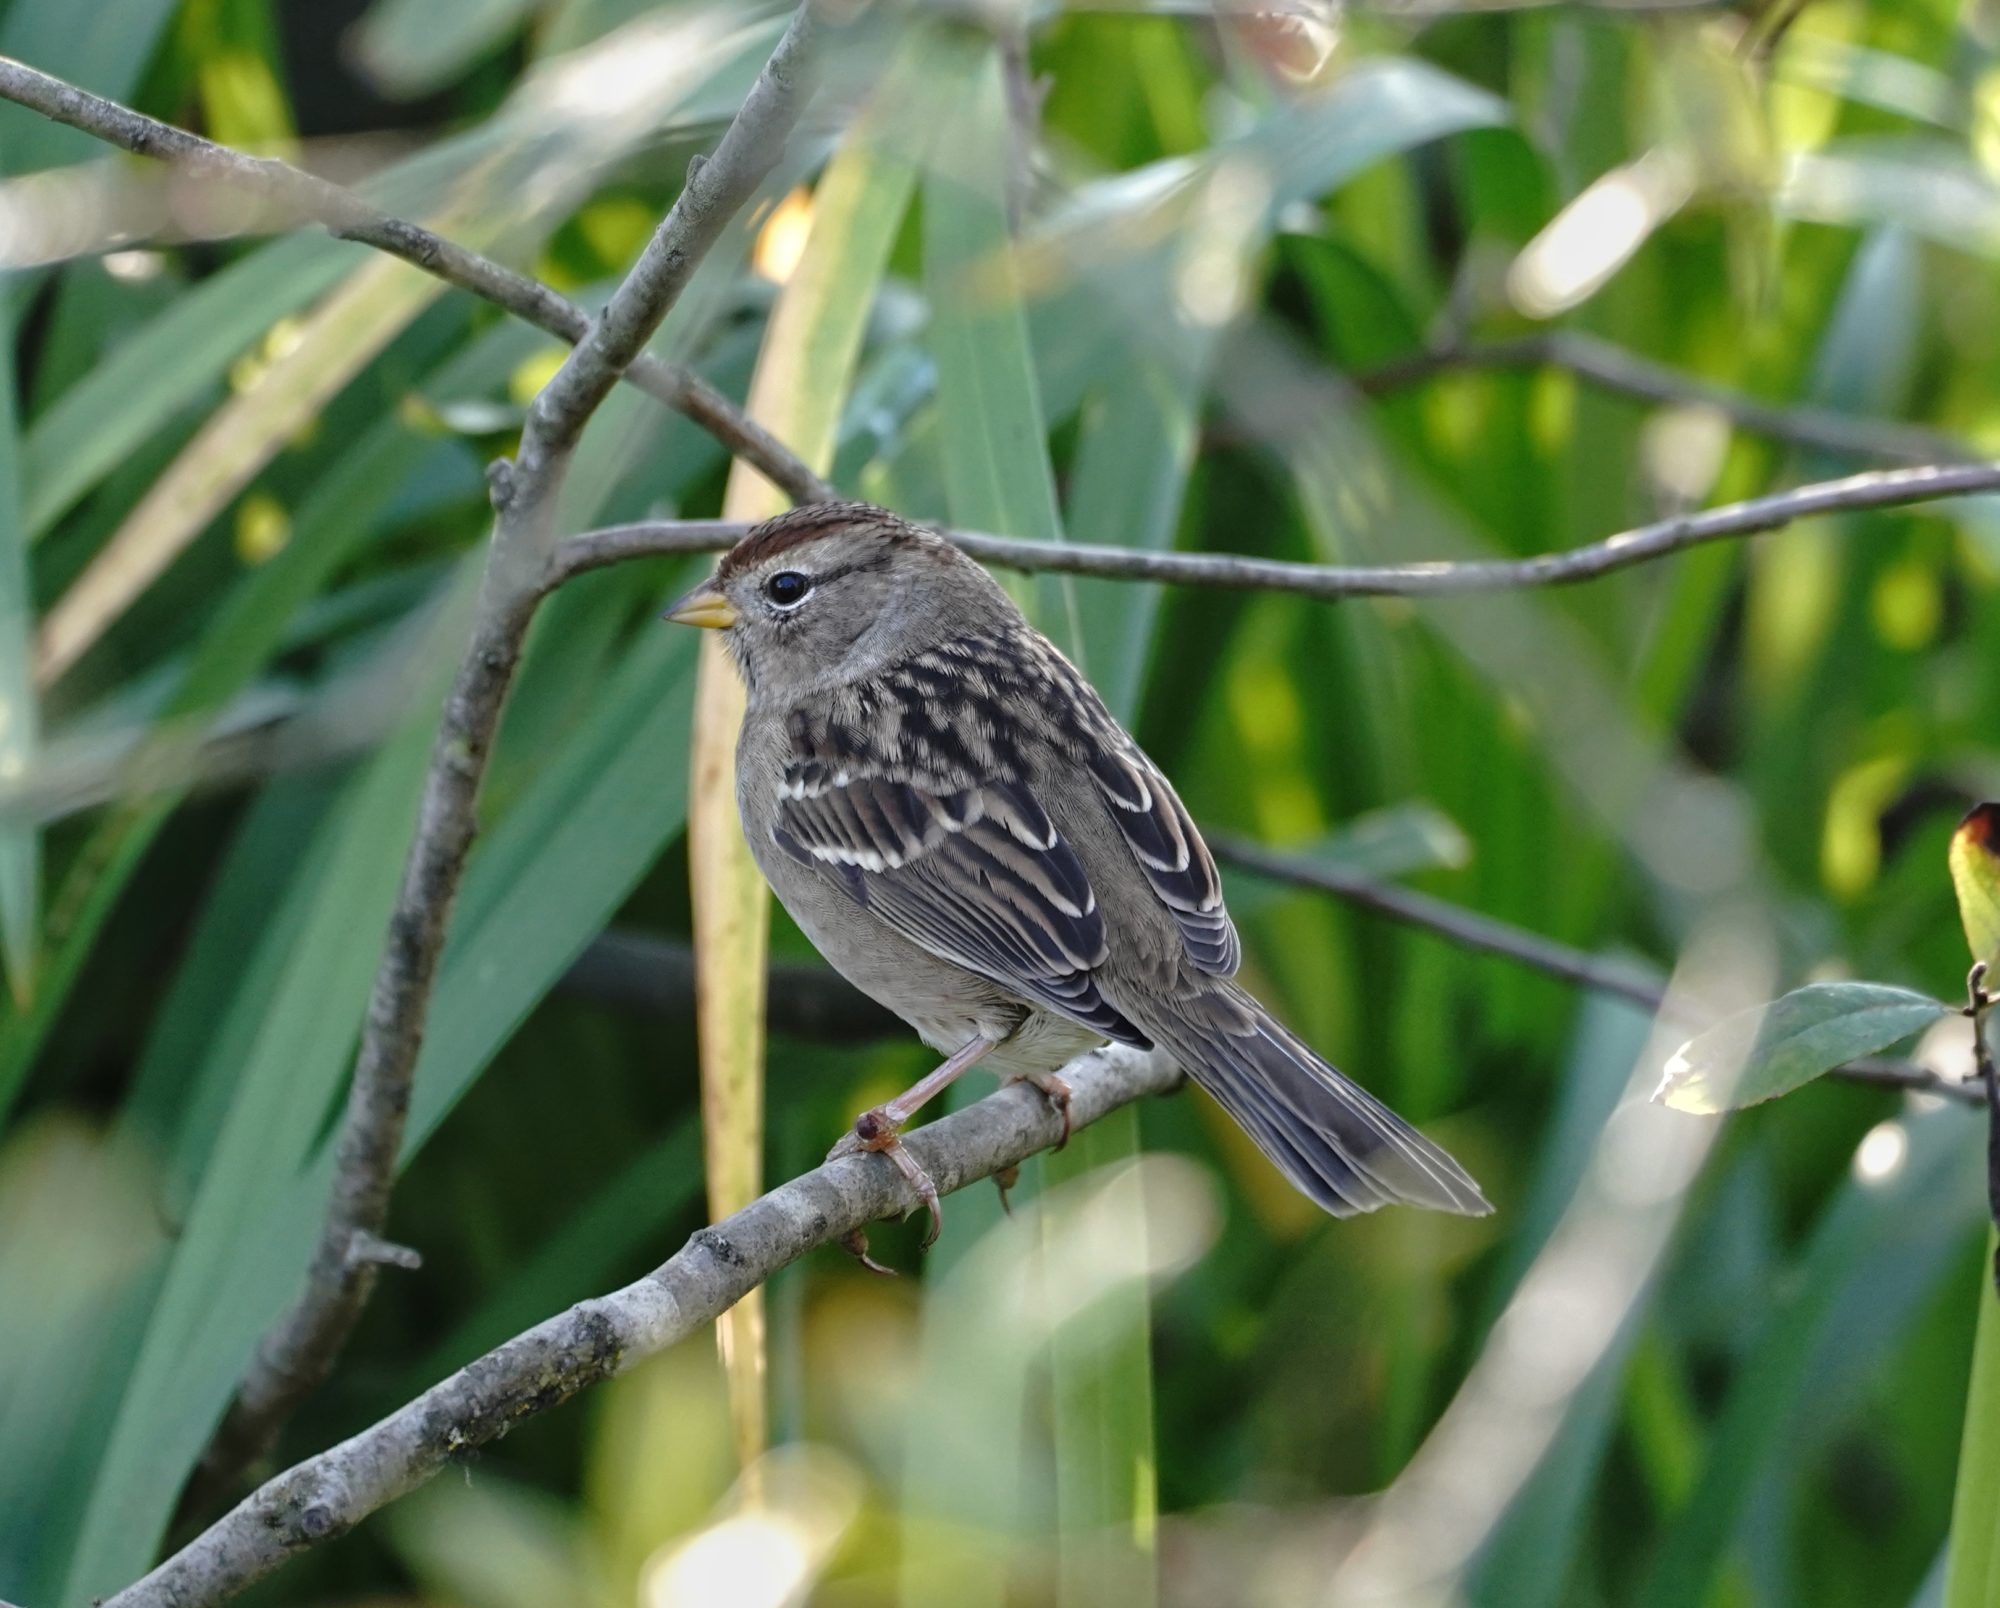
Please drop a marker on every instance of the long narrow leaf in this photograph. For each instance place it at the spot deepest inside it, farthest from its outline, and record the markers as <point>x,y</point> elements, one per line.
<point>20,844</point>
<point>801,381</point>
<point>218,1295</point>
<point>993,442</point>
<point>1972,1574</point>
<point>239,439</point>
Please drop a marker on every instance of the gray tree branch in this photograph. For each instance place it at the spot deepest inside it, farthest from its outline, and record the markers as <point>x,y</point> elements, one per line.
<point>327,1495</point>
<point>300,1349</point>
<point>1885,488</point>
<point>1612,368</point>
<point>347,216</point>
<point>1470,929</point>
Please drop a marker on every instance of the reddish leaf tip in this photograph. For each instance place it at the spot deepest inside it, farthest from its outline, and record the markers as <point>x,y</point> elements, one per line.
<point>1981,826</point>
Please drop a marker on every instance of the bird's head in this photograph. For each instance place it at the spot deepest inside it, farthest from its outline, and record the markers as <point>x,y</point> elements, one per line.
<point>833,592</point>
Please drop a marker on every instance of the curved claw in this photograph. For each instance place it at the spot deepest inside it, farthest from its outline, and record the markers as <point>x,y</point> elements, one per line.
<point>856,1246</point>
<point>926,1191</point>
<point>1005,1179</point>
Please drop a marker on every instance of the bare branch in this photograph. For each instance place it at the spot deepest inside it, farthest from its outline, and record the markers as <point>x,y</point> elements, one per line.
<point>1469,929</point>
<point>300,1349</point>
<point>327,1495</point>
<point>1887,488</point>
<point>347,216</point>
<point>1612,368</point>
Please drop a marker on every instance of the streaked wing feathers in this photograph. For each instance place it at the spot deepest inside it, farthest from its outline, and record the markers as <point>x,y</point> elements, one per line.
<point>1170,851</point>
<point>979,876</point>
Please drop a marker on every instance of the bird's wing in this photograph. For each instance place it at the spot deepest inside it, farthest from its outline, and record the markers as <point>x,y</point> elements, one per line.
<point>977,875</point>
<point>1163,839</point>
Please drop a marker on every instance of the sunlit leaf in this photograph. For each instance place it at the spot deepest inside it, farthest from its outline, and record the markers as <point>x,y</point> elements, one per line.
<point>1975,874</point>
<point>1761,1053</point>
<point>238,440</point>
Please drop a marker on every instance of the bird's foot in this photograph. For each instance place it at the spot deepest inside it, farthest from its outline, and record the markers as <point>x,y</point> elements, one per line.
<point>1005,1179</point>
<point>880,1132</point>
<point>1056,1092</point>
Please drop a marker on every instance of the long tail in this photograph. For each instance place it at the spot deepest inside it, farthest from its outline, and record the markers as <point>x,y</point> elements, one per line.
<point>1340,1145</point>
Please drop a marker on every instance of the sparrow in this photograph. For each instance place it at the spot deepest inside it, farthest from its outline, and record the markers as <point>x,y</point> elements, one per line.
<point>949,812</point>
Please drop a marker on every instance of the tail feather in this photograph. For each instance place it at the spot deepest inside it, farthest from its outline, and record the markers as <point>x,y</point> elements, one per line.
<point>1340,1145</point>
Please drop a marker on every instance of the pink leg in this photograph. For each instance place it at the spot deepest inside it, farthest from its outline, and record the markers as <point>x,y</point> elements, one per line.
<point>880,1130</point>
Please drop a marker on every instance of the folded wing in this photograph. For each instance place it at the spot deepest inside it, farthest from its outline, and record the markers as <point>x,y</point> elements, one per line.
<point>978,876</point>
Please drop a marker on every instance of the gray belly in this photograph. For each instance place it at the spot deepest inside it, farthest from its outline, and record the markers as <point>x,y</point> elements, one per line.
<point>946,1004</point>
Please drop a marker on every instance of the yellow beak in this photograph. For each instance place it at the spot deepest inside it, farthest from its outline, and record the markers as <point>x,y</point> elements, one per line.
<point>705,607</point>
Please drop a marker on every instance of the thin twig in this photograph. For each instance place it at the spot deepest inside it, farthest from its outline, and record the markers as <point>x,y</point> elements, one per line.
<point>327,1495</point>
<point>347,216</point>
<point>1979,1004</point>
<point>636,971</point>
<point>1612,368</point>
<point>1887,488</point>
<point>300,1349</point>
<point>1469,929</point>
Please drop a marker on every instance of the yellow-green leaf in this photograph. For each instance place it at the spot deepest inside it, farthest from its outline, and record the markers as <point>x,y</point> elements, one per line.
<point>1975,873</point>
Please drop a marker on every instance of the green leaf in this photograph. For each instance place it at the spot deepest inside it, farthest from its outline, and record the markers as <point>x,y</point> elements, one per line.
<point>1879,1252</point>
<point>241,1249</point>
<point>481,176</point>
<point>539,889</point>
<point>20,843</point>
<point>991,431</point>
<point>331,345</point>
<point>104,50</point>
<point>580,1258</point>
<point>410,47</point>
<point>1394,842</point>
<point>1106,1492</point>
<point>336,518</point>
<point>107,56</point>
<point>1975,874</point>
<point>1772,1049</point>
<point>1972,1574</point>
<point>992,436</point>
<point>92,427</point>
<point>1132,458</point>
<point>1526,1560</point>
<point>557,867</point>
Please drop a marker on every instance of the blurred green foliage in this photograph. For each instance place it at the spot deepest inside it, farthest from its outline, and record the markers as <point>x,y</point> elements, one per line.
<point>1687,1363</point>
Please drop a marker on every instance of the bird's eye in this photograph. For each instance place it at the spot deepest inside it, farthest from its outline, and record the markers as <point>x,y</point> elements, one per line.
<point>788,588</point>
